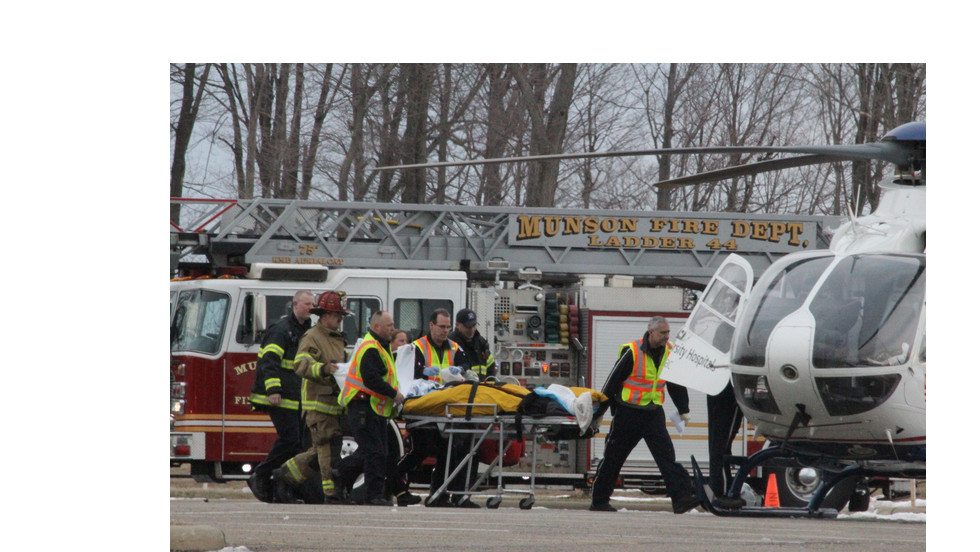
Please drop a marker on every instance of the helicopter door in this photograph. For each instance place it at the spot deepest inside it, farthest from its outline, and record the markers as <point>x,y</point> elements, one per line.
<point>702,348</point>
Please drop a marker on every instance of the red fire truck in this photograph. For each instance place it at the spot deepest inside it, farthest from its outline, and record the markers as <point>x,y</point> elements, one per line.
<point>215,334</point>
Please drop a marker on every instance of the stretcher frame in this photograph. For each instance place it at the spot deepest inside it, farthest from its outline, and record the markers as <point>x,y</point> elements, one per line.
<point>500,426</point>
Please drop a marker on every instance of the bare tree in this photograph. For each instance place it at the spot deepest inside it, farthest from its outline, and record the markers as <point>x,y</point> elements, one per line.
<point>547,122</point>
<point>313,130</point>
<point>189,106</point>
<point>418,85</point>
<point>319,116</point>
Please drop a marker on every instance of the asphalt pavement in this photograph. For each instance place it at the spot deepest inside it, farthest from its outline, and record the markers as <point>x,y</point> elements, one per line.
<point>213,516</point>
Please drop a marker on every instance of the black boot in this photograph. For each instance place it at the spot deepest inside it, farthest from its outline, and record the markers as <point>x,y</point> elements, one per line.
<point>285,493</point>
<point>341,494</point>
<point>684,502</point>
<point>261,487</point>
<point>408,499</point>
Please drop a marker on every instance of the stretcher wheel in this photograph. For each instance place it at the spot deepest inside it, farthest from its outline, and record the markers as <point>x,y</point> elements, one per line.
<point>526,503</point>
<point>493,502</point>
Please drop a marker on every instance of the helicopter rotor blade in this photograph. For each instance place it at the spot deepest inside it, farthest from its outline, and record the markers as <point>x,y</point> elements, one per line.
<point>747,169</point>
<point>893,152</point>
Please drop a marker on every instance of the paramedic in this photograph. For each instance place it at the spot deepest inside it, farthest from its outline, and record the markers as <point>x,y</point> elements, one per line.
<point>636,396</point>
<point>435,349</point>
<point>395,484</point>
<point>475,346</point>
<point>320,349</point>
<point>371,396</point>
<point>433,352</point>
<point>277,391</point>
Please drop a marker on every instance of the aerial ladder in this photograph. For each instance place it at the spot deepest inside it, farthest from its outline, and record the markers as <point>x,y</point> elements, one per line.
<point>488,243</point>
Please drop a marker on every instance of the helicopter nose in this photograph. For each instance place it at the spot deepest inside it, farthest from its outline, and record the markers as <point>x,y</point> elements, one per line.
<point>789,366</point>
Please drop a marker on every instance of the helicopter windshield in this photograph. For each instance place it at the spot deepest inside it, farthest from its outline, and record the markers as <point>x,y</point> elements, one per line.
<point>867,310</point>
<point>781,290</point>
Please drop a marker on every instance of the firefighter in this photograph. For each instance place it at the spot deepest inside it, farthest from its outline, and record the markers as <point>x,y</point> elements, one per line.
<point>370,394</point>
<point>320,349</point>
<point>636,396</point>
<point>277,391</point>
<point>475,346</point>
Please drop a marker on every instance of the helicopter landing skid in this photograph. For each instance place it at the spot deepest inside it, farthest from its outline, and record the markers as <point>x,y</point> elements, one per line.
<point>711,504</point>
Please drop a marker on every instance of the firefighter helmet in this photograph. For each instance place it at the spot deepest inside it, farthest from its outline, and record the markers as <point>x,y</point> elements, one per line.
<point>331,301</point>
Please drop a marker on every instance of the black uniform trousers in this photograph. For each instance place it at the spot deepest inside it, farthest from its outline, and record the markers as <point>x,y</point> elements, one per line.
<point>294,438</point>
<point>424,444</point>
<point>724,422</point>
<point>428,442</point>
<point>369,430</point>
<point>629,426</point>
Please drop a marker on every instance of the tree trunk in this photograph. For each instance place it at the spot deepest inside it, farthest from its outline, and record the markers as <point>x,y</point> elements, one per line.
<point>290,168</point>
<point>230,87</point>
<point>309,157</point>
<point>492,185</point>
<point>392,109</point>
<point>266,76</point>
<point>190,103</point>
<point>418,84</point>
<point>547,128</point>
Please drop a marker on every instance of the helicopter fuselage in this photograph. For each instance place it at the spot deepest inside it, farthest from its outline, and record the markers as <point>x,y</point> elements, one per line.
<point>828,358</point>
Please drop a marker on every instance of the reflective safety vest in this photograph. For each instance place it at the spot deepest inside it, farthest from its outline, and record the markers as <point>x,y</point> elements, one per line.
<point>381,404</point>
<point>432,355</point>
<point>643,386</point>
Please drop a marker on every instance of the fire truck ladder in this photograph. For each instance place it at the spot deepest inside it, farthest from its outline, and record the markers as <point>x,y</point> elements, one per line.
<point>478,240</point>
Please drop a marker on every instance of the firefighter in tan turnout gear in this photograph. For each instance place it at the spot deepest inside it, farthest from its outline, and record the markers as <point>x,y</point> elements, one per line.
<point>320,349</point>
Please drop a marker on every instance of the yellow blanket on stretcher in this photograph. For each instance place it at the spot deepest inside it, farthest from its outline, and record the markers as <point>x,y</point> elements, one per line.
<point>506,397</point>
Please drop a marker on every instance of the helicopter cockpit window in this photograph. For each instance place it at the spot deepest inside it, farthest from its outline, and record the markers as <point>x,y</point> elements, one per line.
<point>867,310</point>
<point>779,293</point>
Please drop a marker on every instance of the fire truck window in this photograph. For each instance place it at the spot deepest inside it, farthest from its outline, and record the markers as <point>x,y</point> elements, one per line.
<point>199,322</point>
<point>359,321</point>
<point>277,306</point>
<point>412,315</point>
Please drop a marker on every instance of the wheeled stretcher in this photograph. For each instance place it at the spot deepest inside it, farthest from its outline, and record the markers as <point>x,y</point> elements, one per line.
<point>506,429</point>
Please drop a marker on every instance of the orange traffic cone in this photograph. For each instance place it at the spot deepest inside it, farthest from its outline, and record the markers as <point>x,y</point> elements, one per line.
<point>772,492</point>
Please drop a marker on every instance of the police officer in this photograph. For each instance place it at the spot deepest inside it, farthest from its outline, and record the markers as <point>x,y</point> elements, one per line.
<point>277,391</point>
<point>371,396</point>
<point>636,396</point>
<point>475,346</point>
<point>320,349</point>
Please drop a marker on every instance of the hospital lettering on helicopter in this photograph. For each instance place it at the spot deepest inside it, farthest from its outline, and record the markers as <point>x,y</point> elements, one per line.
<point>693,233</point>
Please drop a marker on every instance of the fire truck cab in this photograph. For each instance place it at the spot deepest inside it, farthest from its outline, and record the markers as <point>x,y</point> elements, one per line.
<point>216,327</point>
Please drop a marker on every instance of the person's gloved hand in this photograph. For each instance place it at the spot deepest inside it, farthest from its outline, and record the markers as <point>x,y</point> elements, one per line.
<point>430,371</point>
<point>455,370</point>
<point>686,417</point>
